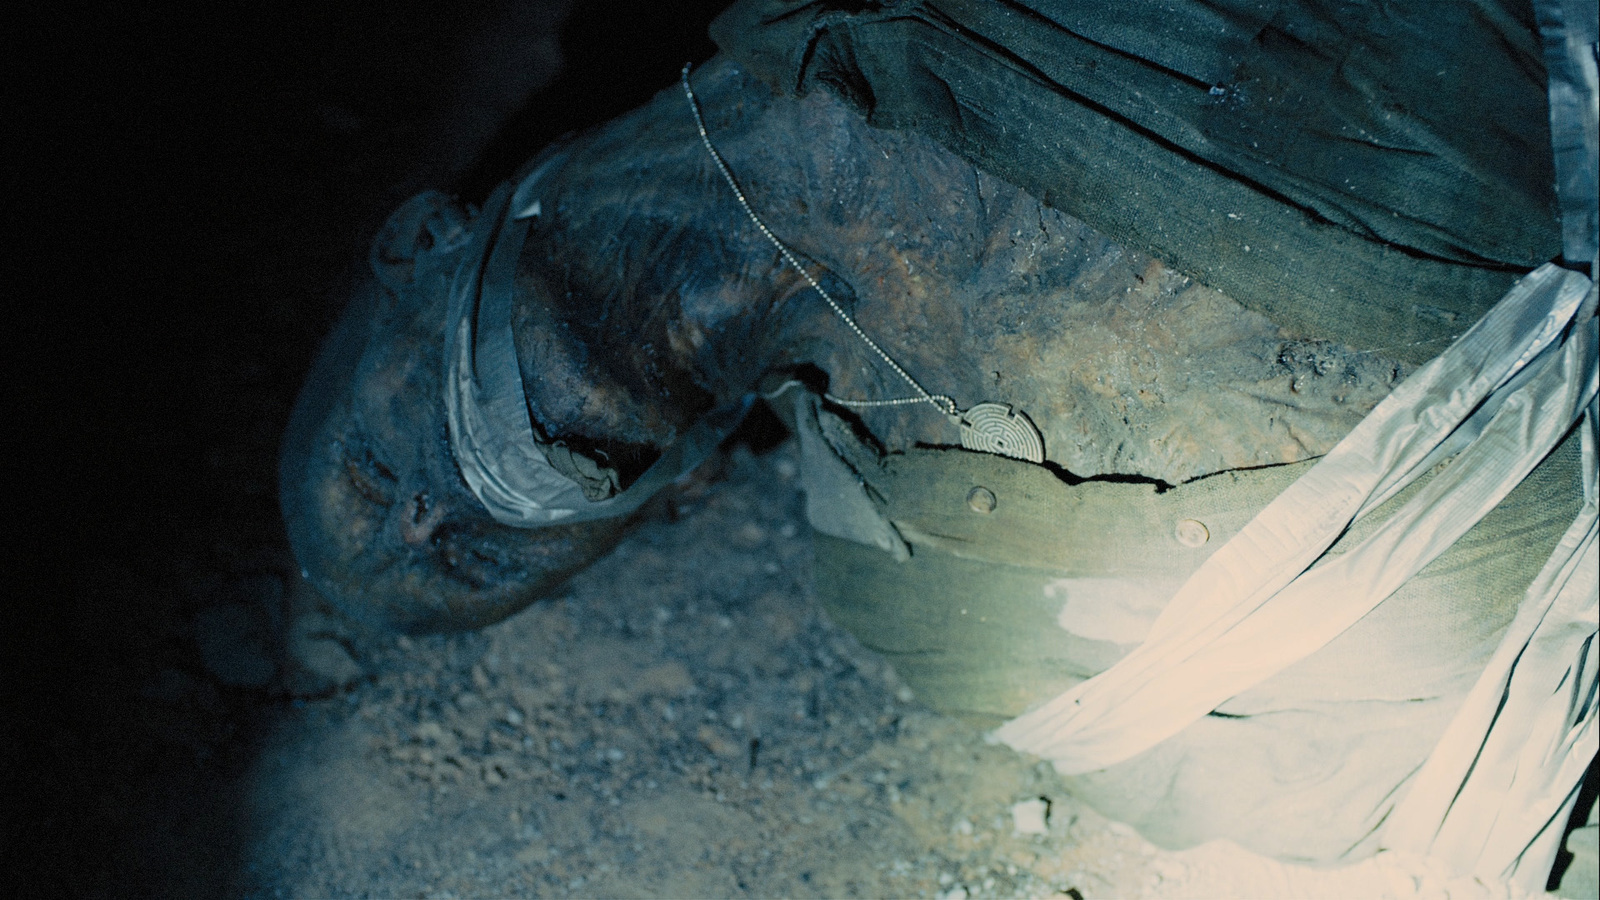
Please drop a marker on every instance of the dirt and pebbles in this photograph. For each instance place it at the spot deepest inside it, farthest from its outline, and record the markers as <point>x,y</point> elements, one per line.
<point>182,721</point>
<point>680,722</point>
<point>683,721</point>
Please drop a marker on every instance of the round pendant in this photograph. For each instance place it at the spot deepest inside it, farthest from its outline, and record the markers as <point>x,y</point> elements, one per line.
<point>996,428</point>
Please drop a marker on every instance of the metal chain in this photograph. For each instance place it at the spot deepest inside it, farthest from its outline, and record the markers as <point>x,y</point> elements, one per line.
<point>944,404</point>
<point>778,391</point>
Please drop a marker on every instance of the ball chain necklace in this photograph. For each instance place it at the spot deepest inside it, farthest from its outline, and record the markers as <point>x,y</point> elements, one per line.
<point>986,427</point>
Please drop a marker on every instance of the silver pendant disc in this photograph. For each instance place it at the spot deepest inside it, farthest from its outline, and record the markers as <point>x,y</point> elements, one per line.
<point>996,428</point>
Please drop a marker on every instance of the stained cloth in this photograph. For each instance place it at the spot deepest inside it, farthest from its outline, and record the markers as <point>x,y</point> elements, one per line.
<point>1369,172</point>
<point>523,479</point>
<point>1372,173</point>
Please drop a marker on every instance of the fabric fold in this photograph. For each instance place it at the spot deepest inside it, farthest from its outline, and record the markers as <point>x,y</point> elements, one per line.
<point>1259,603</point>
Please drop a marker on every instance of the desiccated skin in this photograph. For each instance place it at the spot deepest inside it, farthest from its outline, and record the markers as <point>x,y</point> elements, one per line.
<point>377,513</point>
<point>646,298</point>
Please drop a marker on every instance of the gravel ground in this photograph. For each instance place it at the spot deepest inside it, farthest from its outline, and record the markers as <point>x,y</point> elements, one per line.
<point>184,721</point>
<point>681,722</point>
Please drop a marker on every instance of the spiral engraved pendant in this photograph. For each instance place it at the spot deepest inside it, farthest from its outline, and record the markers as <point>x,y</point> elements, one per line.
<point>995,428</point>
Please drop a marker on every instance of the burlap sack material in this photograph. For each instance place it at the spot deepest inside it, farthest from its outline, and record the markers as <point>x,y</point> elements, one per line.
<point>1375,174</point>
<point>998,609</point>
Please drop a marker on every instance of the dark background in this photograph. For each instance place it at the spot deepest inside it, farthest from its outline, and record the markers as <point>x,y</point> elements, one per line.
<point>187,190</point>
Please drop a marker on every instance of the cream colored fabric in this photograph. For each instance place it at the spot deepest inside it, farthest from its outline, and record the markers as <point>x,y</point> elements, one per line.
<point>1258,604</point>
<point>1493,798</point>
<point>998,611</point>
<point>1494,405</point>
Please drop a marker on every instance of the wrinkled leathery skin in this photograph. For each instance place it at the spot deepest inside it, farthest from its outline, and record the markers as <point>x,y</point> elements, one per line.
<point>377,512</point>
<point>646,299</point>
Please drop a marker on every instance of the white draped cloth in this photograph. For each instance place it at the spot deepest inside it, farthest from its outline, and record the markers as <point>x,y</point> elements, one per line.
<point>1495,793</point>
<point>1492,799</point>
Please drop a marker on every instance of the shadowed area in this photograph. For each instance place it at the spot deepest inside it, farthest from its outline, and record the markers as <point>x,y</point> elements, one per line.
<point>196,184</point>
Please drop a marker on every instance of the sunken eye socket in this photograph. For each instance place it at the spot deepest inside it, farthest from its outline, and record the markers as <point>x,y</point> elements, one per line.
<point>371,479</point>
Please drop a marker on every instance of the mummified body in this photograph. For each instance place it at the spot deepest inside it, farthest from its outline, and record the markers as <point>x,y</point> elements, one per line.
<point>652,300</point>
<point>645,303</point>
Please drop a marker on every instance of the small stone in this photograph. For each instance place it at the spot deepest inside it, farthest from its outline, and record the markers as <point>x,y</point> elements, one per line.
<point>963,826</point>
<point>1031,816</point>
<point>531,699</point>
<point>959,892</point>
<point>320,663</point>
<point>530,854</point>
<point>719,744</point>
<point>669,679</point>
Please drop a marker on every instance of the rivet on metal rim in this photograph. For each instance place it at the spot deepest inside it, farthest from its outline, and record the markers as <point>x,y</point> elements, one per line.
<point>981,500</point>
<point>1191,532</point>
